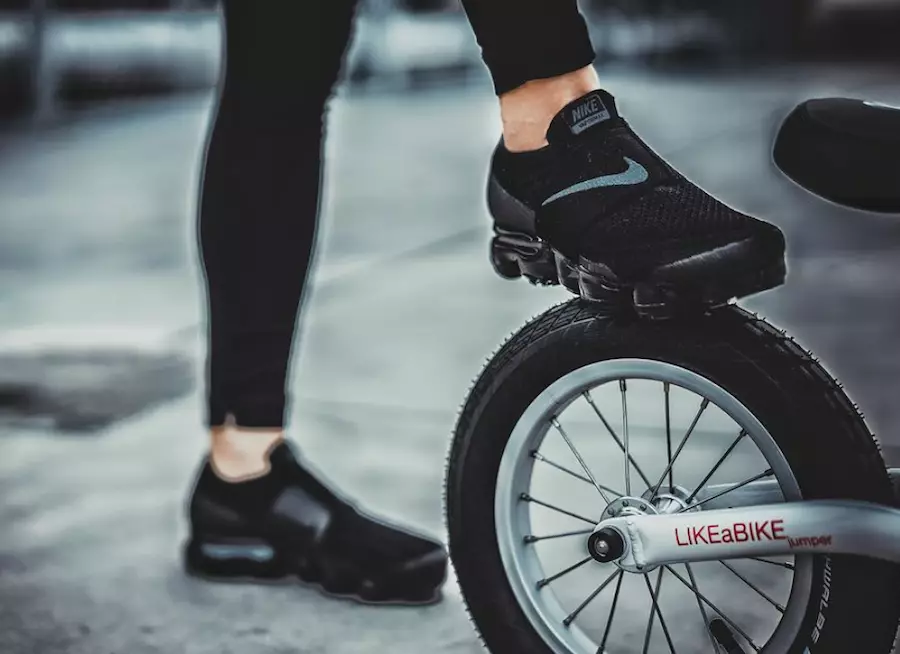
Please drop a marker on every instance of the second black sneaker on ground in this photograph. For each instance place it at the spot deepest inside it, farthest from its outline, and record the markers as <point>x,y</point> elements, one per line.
<point>598,211</point>
<point>288,523</point>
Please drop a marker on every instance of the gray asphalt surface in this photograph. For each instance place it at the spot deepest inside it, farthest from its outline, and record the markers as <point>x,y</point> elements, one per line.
<point>97,251</point>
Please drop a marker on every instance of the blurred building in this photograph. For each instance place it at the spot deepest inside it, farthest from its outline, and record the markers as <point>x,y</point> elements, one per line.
<point>75,50</point>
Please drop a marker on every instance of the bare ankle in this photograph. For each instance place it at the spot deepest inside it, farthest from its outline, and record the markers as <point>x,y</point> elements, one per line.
<point>239,453</point>
<point>527,111</point>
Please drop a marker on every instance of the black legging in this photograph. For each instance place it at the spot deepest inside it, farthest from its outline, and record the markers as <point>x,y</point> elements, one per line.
<point>260,193</point>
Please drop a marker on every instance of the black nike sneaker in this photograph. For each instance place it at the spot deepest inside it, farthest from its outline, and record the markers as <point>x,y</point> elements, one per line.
<point>290,524</point>
<point>598,211</point>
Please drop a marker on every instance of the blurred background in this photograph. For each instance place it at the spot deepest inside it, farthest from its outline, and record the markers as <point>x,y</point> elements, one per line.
<point>104,106</point>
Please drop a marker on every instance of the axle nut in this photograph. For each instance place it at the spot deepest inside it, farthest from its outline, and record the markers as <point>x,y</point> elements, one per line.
<point>606,545</point>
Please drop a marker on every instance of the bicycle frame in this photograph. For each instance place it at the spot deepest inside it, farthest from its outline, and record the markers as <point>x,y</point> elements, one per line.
<point>754,529</point>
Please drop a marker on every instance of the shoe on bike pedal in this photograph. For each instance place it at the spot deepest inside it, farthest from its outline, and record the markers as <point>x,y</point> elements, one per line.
<point>288,523</point>
<point>600,212</point>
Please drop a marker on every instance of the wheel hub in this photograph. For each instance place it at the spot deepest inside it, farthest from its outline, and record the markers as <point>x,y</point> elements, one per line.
<point>607,545</point>
<point>676,499</point>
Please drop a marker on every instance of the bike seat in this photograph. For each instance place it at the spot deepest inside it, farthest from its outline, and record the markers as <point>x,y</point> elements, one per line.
<point>847,151</point>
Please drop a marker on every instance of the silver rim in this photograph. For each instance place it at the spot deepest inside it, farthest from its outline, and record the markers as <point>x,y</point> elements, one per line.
<point>579,606</point>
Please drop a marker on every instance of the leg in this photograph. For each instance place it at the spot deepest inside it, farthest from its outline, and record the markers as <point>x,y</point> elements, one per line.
<point>540,55</point>
<point>259,211</point>
<point>256,510</point>
<point>261,195</point>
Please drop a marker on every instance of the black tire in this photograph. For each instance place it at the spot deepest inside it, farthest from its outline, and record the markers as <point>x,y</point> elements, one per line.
<point>821,433</point>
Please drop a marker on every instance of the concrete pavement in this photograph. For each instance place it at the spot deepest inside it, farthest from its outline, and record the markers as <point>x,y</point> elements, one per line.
<point>96,223</point>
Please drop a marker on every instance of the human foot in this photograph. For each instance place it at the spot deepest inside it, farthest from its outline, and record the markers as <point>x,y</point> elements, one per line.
<point>600,212</point>
<point>289,523</point>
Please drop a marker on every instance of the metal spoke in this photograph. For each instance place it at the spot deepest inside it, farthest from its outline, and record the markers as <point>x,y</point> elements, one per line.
<point>703,405</point>
<point>525,497</point>
<point>668,437</point>
<point>623,389</point>
<point>612,612</point>
<point>574,614</point>
<point>612,432</point>
<point>652,617</point>
<point>721,460</point>
<point>537,456</point>
<point>534,539</point>
<point>780,564</point>
<point>700,595</point>
<point>767,473</point>
<point>581,462</point>
<point>703,614</point>
<point>737,574</point>
<point>543,582</point>
<point>658,612</point>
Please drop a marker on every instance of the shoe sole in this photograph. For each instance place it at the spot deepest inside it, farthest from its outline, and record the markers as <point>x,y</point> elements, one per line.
<point>516,254</point>
<point>244,565</point>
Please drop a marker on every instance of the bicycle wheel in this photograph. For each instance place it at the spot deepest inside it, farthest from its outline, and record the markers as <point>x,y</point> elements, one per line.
<point>540,452</point>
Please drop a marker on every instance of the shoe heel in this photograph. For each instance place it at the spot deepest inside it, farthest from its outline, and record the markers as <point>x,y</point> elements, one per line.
<point>230,558</point>
<point>514,255</point>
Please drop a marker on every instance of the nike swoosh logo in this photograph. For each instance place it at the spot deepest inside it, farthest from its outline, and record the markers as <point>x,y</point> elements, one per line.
<point>636,174</point>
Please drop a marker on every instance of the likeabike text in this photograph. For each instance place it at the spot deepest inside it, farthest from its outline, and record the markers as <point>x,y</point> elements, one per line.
<point>743,532</point>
